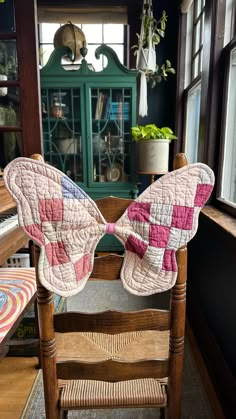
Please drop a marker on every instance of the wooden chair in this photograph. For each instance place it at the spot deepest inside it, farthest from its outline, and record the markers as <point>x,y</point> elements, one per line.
<point>76,377</point>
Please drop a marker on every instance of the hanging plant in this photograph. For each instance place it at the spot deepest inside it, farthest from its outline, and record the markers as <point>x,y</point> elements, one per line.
<point>157,29</point>
<point>151,33</point>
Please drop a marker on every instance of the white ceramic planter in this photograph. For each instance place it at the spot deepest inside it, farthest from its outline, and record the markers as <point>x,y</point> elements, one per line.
<point>152,156</point>
<point>3,90</point>
<point>67,145</point>
<point>147,59</point>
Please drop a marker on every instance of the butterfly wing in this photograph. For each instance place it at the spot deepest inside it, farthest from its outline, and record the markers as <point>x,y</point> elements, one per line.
<point>61,218</point>
<point>161,220</point>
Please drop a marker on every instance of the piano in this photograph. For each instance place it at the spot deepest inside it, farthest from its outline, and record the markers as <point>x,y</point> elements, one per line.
<point>12,237</point>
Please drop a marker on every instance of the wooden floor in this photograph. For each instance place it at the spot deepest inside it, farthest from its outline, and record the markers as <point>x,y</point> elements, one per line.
<point>17,376</point>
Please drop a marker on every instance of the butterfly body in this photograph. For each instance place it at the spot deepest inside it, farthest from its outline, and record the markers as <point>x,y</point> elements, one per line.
<point>68,225</point>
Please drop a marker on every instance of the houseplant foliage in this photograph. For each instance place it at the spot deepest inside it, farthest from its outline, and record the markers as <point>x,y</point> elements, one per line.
<point>152,147</point>
<point>151,132</point>
<point>153,32</point>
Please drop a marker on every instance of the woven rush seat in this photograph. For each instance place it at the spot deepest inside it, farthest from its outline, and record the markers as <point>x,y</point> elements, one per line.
<point>96,394</point>
<point>129,346</point>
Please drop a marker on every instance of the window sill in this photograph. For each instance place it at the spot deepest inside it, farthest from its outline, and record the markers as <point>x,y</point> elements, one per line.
<point>225,221</point>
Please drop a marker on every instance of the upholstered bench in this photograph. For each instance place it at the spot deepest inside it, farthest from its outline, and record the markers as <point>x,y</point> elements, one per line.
<point>17,293</point>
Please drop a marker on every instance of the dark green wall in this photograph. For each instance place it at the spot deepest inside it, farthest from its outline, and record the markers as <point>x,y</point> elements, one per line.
<point>7,21</point>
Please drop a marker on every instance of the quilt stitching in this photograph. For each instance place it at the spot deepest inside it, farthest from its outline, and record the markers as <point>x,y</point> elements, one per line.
<point>67,224</point>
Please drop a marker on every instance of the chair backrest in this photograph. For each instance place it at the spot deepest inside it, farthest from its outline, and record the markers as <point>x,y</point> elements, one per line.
<point>58,364</point>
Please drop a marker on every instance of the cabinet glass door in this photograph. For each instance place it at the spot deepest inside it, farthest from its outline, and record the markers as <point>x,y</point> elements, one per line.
<point>10,118</point>
<point>110,134</point>
<point>61,115</point>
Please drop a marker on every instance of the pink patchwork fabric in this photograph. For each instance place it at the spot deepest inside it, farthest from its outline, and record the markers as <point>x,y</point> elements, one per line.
<point>68,225</point>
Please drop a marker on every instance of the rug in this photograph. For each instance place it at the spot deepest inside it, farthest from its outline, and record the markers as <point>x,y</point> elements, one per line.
<point>194,402</point>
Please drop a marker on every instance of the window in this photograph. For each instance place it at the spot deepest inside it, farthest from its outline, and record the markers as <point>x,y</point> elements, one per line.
<point>208,48</point>
<point>192,121</point>
<point>227,189</point>
<point>96,34</point>
<point>193,68</point>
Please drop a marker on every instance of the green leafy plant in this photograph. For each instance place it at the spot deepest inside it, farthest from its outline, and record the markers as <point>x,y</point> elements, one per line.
<point>158,28</point>
<point>151,132</point>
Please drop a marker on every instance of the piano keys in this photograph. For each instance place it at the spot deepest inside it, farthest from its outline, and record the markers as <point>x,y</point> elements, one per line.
<point>7,222</point>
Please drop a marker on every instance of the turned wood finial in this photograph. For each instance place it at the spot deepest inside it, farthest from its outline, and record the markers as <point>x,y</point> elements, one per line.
<point>37,157</point>
<point>180,161</point>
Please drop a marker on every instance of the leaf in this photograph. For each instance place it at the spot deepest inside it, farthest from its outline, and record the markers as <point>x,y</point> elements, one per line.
<point>161,32</point>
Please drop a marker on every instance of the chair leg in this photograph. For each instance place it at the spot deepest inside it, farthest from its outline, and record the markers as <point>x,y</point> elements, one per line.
<point>178,308</point>
<point>162,413</point>
<point>64,414</point>
<point>48,347</point>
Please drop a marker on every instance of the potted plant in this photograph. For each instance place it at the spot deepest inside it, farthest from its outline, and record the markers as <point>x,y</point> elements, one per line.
<point>152,147</point>
<point>151,33</point>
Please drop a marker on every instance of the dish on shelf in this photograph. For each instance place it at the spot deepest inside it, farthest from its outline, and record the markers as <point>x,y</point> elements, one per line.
<point>113,173</point>
<point>68,145</point>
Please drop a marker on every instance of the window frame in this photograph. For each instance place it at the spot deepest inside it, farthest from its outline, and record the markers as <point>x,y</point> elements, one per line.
<point>224,203</point>
<point>80,25</point>
<point>187,91</point>
<point>212,86</point>
<point>187,54</point>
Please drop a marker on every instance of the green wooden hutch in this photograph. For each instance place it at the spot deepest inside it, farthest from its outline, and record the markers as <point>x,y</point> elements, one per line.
<point>86,118</point>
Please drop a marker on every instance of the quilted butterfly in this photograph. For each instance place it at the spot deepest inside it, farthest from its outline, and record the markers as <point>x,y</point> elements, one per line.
<point>67,224</point>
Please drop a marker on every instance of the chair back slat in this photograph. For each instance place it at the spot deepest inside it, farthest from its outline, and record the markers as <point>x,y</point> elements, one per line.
<point>112,371</point>
<point>112,321</point>
<point>112,207</point>
<point>107,267</point>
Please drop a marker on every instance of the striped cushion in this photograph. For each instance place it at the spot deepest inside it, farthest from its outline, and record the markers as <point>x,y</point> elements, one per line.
<point>17,286</point>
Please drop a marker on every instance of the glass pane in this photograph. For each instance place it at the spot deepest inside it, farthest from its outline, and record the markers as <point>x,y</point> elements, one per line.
<point>48,31</point>
<point>119,49</point>
<point>44,53</point>
<point>229,21</point>
<point>188,50</point>
<point>7,16</point>
<point>10,146</point>
<point>98,64</point>
<point>229,163</point>
<point>196,66</point>
<point>8,60</point>
<point>192,123</point>
<point>197,37</point>
<point>198,7</point>
<point>9,106</point>
<point>111,111</point>
<point>113,34</point>
<point>62,130</point>
<point>93,33</point>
